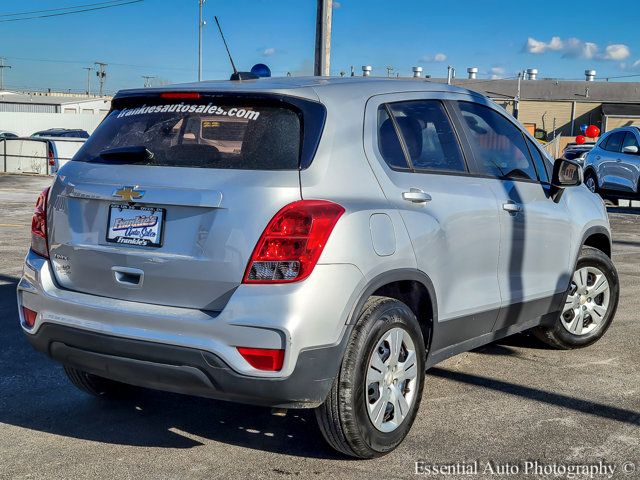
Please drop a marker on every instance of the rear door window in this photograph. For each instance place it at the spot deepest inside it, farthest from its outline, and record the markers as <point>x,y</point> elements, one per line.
<point>388,141</point>
<point>428,135</point>
<point>216,133</point>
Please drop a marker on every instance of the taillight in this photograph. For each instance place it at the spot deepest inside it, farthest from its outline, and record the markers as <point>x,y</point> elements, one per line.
<point>29,317</point>
<point>263,358</point>
<point>290,246</point>
<point>52,161</point>
<point>39,240</point>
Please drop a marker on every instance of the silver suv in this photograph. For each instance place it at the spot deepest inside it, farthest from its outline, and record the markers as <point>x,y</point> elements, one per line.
<point>309,243</point>
<point>612,167</point>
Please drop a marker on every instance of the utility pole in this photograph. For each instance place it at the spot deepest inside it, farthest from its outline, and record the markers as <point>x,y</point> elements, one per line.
<point>516,102</point>
<point>323,38</point>
<point>147,80</point>
<point>102,75</point>
<point>2,67</point>
<point>201,24</point>
<point>89,70</point>
<point>389,70</point>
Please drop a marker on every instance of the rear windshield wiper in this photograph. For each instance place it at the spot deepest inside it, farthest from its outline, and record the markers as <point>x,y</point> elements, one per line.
<point>130,154</point>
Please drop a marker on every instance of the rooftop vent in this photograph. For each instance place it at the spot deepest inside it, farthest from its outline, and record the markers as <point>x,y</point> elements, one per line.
<point>366,70</point>
<point>532,74</point>
<point>473,73</point>
<point>417,72</point>
<point>589,75</point>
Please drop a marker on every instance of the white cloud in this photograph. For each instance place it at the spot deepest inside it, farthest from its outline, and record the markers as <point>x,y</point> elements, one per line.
<point>537,46</point>
<point>496,72</point>
<point>438,57</point>
<point>576,48</point>
<point>337,4</point>
<point>616,52</point>
<point>636,64</point>
<point>268,52</point>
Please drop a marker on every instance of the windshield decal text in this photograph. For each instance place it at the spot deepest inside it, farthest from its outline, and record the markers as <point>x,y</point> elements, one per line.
<point>191,108</point>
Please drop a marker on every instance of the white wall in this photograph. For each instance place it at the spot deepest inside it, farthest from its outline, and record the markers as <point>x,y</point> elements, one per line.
<point>24,124</point>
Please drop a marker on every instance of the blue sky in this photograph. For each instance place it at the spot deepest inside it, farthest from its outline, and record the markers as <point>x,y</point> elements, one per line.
<point>158,37</point>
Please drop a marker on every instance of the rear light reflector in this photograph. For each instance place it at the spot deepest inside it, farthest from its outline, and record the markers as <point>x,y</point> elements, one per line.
<point>263,358</point>
<point>181,95</point>
<point>292,242</point>
<point>39,240</point>
<point>29,317</point>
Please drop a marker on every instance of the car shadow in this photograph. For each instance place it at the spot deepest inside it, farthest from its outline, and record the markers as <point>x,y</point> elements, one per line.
<point>35,394</point>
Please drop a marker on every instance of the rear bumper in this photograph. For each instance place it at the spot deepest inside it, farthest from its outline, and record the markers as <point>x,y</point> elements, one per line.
<point>187,370</point>
<point>193,351</point>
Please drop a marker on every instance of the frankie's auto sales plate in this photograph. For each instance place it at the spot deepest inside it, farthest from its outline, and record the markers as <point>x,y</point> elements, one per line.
<point>135,225</point>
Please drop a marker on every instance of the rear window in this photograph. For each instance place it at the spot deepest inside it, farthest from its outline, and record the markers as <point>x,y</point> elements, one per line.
<point>205,133</point>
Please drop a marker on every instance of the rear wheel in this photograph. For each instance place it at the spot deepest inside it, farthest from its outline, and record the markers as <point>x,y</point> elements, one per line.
<point>590,304</point>
<point>95,385</point>
<point>377,393</point>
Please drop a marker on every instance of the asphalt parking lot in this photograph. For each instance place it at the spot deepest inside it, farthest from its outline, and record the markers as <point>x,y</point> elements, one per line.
<point>506,403</point>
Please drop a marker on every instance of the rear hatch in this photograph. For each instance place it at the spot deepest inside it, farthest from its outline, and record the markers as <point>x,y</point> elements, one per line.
<point>165,202</point>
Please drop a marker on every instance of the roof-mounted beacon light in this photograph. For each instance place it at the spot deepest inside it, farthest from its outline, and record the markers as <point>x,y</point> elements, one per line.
<point>261,70</point>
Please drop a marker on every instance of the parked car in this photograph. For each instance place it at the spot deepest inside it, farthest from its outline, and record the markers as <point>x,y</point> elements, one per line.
<point>6,134</point>
<point>577,152</point>
<point>40,155</point>
<point>309,243</point>
<point>62,132</point>
<point>612,167</point>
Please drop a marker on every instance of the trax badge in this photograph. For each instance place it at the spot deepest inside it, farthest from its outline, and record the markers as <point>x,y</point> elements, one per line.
<point>128,193</point>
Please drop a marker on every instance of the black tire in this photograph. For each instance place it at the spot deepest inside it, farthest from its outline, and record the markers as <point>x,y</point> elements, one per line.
<point>590,175</point>
<point>343,417</point>
<point>95,385</point>
<point>557,336</point>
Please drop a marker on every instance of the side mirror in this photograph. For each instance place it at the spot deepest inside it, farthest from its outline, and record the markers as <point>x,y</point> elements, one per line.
<point>630,149</point>
<point>566,173</point>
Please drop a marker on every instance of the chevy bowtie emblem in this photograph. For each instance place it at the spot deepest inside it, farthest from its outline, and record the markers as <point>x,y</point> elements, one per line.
<point>128,193</point>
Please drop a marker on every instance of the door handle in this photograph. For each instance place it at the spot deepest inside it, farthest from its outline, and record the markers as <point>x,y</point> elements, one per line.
<point>415,195</point>
<point>618,160</point>
<point>512,207</point>
<point>598,157</point>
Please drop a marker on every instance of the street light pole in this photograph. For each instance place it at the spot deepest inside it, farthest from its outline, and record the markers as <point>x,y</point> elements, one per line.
<point>89,70</point>
<point>200,25</point>
<point>323,38</point>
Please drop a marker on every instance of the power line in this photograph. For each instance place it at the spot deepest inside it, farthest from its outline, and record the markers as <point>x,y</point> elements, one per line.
<point>72,12</point>
<point>73,7</point>
<point>82,62</point>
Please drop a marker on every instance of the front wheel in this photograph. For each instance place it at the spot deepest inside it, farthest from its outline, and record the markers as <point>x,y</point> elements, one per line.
<point>590,305</point>
<point>591,182</point>
<point>377,393</point>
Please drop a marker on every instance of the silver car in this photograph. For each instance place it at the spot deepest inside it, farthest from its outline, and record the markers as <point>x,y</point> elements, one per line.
<point>612,167</point>
<point>309,243</point>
